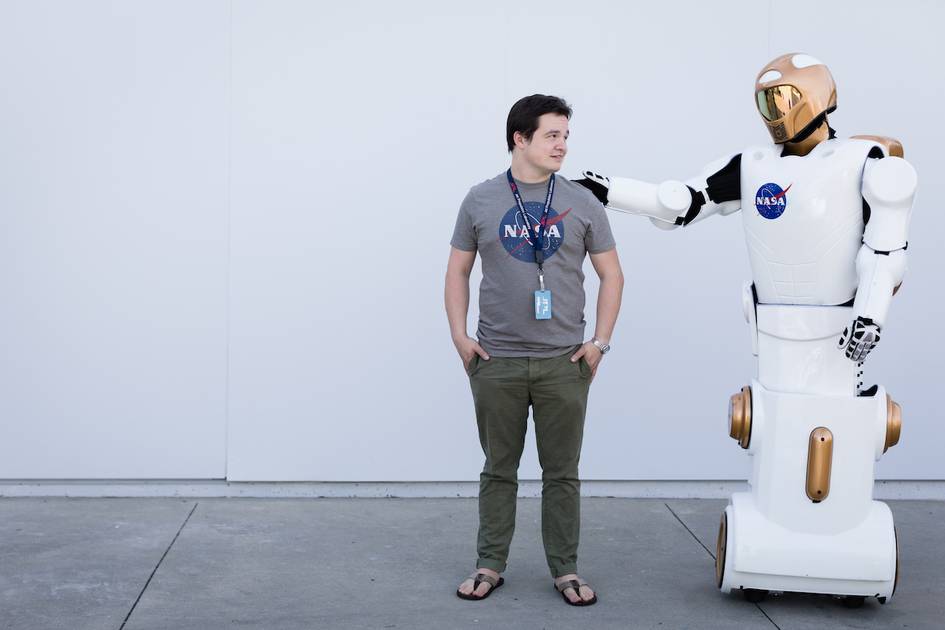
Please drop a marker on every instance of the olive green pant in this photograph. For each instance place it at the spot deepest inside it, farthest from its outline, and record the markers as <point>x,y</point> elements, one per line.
<point>556,389</point>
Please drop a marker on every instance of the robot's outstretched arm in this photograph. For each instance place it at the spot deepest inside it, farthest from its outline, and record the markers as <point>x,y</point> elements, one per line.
<point>889,186</point>
<point>717,190</point>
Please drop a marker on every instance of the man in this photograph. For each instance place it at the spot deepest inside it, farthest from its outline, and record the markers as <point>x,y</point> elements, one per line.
<point>532,230</point>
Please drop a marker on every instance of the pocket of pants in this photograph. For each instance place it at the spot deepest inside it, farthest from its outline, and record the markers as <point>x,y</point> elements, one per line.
<point>471,366</point>
<point>585,368</point>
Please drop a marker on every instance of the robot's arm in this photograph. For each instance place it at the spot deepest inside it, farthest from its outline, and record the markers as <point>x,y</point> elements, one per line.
<point>717,190</point>
<point>889,186</point>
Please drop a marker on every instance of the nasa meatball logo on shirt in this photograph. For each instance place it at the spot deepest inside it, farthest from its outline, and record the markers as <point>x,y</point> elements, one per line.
<point>518,239</point>
<point>771,200</point>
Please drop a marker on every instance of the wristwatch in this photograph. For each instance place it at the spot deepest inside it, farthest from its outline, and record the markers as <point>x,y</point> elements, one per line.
<point>603,347</point>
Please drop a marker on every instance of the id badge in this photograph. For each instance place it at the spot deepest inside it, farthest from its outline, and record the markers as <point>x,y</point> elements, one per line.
<point>543,304</point>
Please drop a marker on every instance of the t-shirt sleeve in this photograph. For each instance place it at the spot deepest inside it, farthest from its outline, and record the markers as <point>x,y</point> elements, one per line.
<point>599,237</point>
<point>464,233</point>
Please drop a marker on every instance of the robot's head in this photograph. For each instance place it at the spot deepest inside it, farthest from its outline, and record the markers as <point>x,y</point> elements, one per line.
<point>791,92</point>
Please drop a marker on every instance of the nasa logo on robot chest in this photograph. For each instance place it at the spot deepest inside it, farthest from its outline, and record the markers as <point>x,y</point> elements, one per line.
<point>518,239</point>
<point>771,200</point>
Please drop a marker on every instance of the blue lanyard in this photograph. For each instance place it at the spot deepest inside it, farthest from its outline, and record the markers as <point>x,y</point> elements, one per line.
<point>538,244</point>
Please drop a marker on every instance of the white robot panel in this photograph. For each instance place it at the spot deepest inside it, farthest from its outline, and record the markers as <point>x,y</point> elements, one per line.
<point>803,219</point>
<point>797,350</point>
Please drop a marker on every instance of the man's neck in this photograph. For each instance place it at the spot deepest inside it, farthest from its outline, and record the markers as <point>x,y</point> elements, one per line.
<point>528,173</point>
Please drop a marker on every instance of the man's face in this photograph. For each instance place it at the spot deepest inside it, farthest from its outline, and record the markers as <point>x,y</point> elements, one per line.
<point>549,143</point>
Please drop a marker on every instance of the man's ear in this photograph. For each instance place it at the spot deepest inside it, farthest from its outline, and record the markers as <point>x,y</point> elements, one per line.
<point>520,141</point>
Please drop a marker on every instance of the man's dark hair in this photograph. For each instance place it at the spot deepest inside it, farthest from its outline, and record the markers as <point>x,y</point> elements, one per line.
<point>523,117</point>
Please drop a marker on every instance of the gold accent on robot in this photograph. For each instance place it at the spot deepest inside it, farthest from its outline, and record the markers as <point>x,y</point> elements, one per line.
<point>819,460</point>
<point>893,422</point>
<point>789,97</point>
<point>892,146</point>
<point>720,544</point>
<point>739,416</point>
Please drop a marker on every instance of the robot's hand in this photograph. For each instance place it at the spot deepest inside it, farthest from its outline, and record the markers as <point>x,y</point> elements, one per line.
<point>859,338</point>
<point>597,184</point>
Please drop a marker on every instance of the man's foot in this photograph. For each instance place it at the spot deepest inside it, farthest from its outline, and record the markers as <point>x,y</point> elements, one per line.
<point>480,584</point>
<point>574,590</point>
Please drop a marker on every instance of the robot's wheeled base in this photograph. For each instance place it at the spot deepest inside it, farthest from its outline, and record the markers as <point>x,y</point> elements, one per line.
<point>819,579</point>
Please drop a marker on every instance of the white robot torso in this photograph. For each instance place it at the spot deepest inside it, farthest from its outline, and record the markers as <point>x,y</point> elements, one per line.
<point>820,229</point>
<point>803,219</point>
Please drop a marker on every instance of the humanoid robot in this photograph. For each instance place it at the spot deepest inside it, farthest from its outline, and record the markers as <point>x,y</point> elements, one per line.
<point>826,224</point>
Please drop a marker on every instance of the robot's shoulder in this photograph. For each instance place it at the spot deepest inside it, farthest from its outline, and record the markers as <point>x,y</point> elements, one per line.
<point>761,151</point>
<point>891,147</point>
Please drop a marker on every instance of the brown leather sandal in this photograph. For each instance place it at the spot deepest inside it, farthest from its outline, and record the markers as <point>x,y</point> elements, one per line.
<point>576,585</point>
<point>479,578</point>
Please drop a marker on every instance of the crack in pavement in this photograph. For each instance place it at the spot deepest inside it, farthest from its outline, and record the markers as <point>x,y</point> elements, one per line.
<point>712,555</point>
<point>150,577</point>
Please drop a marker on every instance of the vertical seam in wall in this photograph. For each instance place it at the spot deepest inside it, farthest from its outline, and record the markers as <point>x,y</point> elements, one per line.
<point>227,229</point>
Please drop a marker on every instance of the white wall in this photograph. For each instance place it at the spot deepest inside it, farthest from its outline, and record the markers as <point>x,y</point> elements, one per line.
<point>307,161</point>
<point>113,189</point>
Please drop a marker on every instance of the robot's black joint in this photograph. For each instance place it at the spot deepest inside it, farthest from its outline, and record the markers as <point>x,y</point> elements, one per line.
<point>695,206</point>
<point>726,184</point>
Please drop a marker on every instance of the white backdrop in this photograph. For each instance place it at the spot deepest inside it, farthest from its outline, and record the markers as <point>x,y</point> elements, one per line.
<point>225,226</point>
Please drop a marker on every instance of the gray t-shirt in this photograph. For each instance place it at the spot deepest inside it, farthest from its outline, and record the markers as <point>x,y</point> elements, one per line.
<point>489,221</point>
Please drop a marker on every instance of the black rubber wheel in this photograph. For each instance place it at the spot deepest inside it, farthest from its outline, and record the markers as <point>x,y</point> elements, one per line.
<point>754,595</point>
<point>853,601</point>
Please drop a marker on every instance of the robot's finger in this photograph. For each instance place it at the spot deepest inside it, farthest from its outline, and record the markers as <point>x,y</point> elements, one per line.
<point>844,337</point>
<point>601,179</point>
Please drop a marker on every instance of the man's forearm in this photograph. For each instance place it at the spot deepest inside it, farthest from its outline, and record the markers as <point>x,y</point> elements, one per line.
<point>608,306</point>
<point>457,303</point>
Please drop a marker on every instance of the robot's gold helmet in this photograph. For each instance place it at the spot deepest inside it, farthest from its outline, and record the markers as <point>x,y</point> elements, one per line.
<point>791,92</point>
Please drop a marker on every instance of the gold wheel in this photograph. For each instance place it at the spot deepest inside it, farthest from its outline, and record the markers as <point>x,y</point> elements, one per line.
<point>720,544</point>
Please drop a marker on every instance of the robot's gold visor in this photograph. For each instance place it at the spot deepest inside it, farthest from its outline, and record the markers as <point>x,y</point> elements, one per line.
<point>775,102</point>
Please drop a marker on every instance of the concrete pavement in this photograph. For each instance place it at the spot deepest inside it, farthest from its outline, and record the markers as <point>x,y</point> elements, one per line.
<point>394,563</point>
